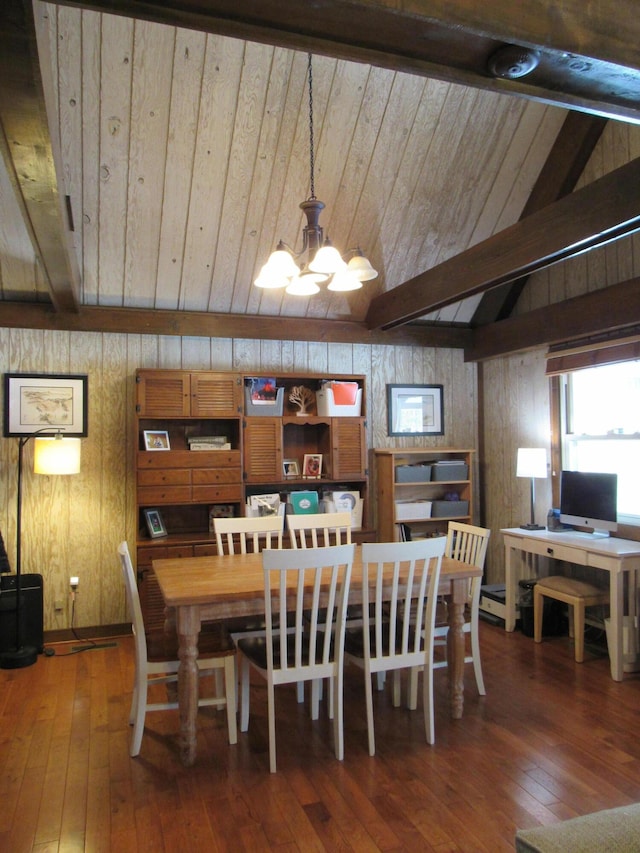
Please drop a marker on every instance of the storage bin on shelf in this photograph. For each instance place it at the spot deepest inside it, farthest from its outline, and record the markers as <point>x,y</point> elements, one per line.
<point>340,399</point>
<point>413,473</point>
<point>449,471</point>
<point>449,509</point>
<point>412,510</point>
<point>265,410</point>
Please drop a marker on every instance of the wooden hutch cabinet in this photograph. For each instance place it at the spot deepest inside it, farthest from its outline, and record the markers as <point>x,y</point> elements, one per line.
<point>185,486</point>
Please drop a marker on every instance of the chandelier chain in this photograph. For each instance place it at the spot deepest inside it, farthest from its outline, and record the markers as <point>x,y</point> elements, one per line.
<point>312,182</point>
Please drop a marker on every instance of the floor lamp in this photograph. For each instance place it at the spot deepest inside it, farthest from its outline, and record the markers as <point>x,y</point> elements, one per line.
<point>53,454</point>
<point>532,463</point>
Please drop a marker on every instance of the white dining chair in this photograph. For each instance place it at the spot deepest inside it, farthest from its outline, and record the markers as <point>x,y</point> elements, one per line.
<point>308,649</point>
<point>156,662</point>
<point>313,530</point>
<point>467,544</point>
<point>399,587</point>
<point>250,534</point>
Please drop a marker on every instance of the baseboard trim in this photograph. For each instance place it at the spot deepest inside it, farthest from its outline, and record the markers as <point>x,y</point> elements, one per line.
<point>83,635</point>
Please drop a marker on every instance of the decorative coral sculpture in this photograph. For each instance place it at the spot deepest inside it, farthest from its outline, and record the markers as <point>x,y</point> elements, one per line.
<point>302,397</point>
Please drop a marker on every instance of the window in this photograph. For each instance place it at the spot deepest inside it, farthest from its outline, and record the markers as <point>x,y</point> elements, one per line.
<point>601,428</point>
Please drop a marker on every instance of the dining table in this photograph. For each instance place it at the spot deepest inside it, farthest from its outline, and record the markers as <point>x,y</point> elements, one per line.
<point>218,587</point>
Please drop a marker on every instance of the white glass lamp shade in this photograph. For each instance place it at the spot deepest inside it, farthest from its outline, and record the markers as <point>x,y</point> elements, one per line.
<point>327,260</point>
<point>305,284</point>
<point>532,462</point>
<point>344,281</point>
<point>282,264</point>
<point>56,455</point>
<point>270,280</point>
<point>362,267</point>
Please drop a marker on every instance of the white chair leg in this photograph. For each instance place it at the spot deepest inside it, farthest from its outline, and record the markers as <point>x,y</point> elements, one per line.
<point>219,684</point>
<point>244,697</point>
<point>412,698</point>
<point>369,700</point>
<point>427,701</point>
<point>382,676</point>
<point>331,692</point>
<point>230,693</point>
<point>138,723</point>
<point>272,726</point>
<point>337,713</point>
<point>315,698</point>
<point>397,698</point>
<point>475,653</point>
<point>300,692</point>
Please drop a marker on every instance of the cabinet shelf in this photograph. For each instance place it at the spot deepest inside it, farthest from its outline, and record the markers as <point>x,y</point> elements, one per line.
<point>427,503</point>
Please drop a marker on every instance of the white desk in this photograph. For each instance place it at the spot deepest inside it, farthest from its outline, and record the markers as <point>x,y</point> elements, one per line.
<point>616,556</point>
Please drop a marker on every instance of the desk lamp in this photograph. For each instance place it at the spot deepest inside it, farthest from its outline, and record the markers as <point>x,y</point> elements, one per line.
<point>53,454</point>
<point>532,463</point>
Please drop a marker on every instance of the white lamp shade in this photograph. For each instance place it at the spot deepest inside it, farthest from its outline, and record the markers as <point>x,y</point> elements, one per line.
<point>362,268</point>
<point>55,455</point>
<point>344,281</point>
<point>270,280</point>
<point>327,260</point>
<point>281,263</point>
<point>305,284</point>
<point>532,462</point>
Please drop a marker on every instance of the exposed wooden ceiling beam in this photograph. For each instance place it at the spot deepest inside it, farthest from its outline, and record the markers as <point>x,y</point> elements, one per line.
<point>605,210</point>
<point>558,177</point>
<point>21,315</point>
<point>29,152</point>
<point>610,309</point>
<point>584,64</point>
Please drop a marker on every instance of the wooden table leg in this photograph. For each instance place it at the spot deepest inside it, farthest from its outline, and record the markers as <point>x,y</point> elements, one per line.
<point>188,625</point>
<point>455,646</point>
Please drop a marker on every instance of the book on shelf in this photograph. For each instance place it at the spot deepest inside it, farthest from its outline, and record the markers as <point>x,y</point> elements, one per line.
<point>268,504</point>
<point>304,503</point>
<point>208,445</point>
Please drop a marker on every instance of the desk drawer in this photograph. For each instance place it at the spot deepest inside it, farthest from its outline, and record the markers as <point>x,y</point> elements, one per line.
<point>553,551</point>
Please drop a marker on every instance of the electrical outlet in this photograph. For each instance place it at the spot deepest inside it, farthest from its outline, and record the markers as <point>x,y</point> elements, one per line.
<point>58,605</point>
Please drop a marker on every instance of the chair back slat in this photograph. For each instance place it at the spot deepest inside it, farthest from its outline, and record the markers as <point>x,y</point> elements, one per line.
<point>306,594</point>
<point>251,534</point>
<point>401,580</point>
<point>319,529</point>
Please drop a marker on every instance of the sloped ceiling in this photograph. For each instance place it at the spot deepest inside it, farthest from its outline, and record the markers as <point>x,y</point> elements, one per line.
<point>181,156</point>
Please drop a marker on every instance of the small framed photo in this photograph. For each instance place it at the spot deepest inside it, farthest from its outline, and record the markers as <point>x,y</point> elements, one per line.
<point>415,410</point>
<point>312,466</point>
<point>290,468</point>
<point>156,439</point>
<point>155,524</point>
<point>39,402</point>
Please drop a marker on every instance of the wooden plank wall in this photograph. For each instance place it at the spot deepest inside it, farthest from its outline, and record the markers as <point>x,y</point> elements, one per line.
<point>515,391</point>
<point>72,525</point>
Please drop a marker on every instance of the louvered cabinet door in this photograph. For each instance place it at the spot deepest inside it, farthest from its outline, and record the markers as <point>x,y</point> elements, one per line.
<point>215,395</point>
<point>262,450</point>
<point>163,393</point>
<point>349,450</point>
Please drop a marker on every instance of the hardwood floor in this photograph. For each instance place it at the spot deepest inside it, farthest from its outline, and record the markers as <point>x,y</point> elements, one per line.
<point>552,739</point>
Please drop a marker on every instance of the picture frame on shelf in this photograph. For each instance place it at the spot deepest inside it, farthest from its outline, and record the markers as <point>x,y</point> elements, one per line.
<point>415,410</point>
<point>155,524</point>
<point>156,439</point>
<point>312,466</point>
<point>42,401</point>
<point>290,468</point>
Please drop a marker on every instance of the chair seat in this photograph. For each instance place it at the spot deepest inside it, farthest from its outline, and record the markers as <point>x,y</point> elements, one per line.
<point>570,587</point>
<point>354,640</point>
<point>255,648</point>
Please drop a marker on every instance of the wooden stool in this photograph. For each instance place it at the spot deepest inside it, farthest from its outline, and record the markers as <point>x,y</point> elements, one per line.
<point>577,594</point>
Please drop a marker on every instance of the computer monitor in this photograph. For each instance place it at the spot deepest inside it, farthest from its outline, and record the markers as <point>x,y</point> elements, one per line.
<point>589,500</point>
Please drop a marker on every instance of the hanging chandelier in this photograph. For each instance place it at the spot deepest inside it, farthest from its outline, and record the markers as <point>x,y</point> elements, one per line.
<point>324,263</point>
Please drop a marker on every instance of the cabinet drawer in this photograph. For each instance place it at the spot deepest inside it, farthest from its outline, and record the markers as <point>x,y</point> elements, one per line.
<point>149,495</point>
<point>216,494</point>
<point>205,550</point>
<point>165,477</point>
<point>214,476</point>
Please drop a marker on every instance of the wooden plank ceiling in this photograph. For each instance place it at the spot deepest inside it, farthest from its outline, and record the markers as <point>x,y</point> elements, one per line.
<point>182,156</point>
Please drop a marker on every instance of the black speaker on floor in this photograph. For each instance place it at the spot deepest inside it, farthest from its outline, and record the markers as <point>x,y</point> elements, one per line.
<point>31,612</point>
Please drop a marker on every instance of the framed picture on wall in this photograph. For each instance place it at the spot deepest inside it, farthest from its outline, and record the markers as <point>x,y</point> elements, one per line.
<point>43,402</point>
<point>155,524</point>
<point>415,410</point>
